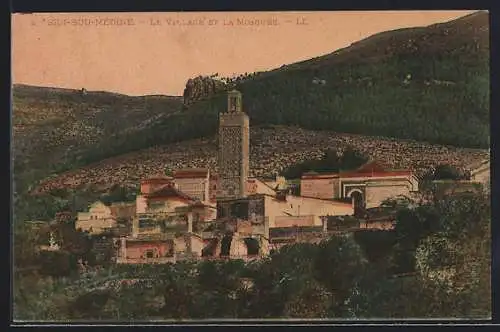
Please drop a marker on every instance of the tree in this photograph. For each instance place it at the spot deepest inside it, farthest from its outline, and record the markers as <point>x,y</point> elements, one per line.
<point>352,159</point>
<point>279,278</point>
<point>25,239</point>
<point>338,266</point>
<point>445,172</point>
<point>313,300</point>
<point>452,264</point>
<point>118,193</point>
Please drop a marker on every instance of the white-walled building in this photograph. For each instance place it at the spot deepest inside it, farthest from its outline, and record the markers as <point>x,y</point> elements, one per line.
<point>102,217</point>
<point>194,182</point>
<point>367,186</point>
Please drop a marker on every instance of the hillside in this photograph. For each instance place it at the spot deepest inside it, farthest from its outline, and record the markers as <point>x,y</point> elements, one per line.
<point>428,84</point>
<point>272,149</point>
<point>56,129</point>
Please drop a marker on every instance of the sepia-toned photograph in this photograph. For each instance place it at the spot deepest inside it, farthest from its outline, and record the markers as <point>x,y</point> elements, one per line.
<point>250,166</point>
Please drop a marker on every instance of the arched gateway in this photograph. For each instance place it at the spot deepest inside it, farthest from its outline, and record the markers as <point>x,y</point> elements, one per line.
<point>358,201</point>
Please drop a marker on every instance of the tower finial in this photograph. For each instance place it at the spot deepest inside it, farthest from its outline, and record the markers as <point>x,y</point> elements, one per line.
<point>234,101</point>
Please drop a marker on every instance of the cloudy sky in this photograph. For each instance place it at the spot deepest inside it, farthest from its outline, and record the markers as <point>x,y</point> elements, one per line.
<point>155,53</point>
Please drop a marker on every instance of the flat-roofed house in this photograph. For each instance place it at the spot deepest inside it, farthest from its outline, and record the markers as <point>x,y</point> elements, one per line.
<point>366,187</point>
<point>194,182</point>
<point>101,217</point>
<point>170,204</point>
<point>165,228</point>
<point>254,216</point>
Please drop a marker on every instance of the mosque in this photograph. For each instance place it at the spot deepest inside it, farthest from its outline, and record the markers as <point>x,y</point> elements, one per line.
<point>195,214</point>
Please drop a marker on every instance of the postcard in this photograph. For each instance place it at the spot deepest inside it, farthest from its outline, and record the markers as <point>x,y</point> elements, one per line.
<point>251,166</point>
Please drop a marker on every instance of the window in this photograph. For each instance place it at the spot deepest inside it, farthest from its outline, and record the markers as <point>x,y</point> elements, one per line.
<point>240,210</point>
<point>220,211</point>
<point>149,253</point>
<point>147,223</point>
<point>234,102</point>
<point>157,205</point>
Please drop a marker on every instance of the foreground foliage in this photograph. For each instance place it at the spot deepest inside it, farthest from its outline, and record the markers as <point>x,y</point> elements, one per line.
<point>436,263</point>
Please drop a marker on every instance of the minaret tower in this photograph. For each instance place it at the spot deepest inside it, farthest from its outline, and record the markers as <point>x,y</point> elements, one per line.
<point>234,148</point>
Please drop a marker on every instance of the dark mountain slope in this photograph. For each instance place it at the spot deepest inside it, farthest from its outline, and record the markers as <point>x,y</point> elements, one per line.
<point>428,84</point>
<point>56,129</point>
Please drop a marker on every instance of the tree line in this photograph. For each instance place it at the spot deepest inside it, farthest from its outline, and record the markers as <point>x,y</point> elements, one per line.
<point>435,263</point>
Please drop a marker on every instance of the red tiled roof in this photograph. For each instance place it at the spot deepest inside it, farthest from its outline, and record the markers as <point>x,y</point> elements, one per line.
<point>373,169</point>
<point>370,169</point>
<point>169,191</point>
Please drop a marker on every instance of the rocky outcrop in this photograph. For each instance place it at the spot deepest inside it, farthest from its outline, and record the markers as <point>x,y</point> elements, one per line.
<point>202,87</point>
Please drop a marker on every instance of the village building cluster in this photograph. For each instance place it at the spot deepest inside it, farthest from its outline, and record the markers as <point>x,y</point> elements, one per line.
<point>195,214</point>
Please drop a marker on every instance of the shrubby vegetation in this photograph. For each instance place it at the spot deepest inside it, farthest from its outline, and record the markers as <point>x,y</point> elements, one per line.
<point>44,206</point>
<point>436,263</point>
<point>348,159</point>
<point>445,172</point>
